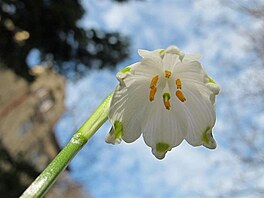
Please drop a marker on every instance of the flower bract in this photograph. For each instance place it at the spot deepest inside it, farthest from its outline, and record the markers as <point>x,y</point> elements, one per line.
<point>167,97</point>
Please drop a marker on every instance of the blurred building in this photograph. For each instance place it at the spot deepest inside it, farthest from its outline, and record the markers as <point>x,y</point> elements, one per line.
<point>28,113</point>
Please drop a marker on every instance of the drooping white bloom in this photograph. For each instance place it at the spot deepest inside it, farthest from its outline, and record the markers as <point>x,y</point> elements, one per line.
<point>167,97</point>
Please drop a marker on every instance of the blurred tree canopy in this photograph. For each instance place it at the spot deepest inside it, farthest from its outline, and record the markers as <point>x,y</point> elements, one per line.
<point>51,27</point>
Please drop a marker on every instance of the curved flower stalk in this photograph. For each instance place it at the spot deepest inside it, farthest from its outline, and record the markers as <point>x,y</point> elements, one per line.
<point>167,97</point>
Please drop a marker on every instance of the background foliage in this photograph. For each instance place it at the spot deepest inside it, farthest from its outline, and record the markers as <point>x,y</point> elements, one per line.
<point>51,27</point>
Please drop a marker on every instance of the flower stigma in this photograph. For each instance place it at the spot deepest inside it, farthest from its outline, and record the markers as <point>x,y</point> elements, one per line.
<point>166,100</point>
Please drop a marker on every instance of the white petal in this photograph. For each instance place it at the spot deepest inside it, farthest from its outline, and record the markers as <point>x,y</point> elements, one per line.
<point>124,73</point>
<point>191,72</point>
<point>176,51</point>
<point>113,137</point>
<point>206,92</point>
<point>191,57</point>
<point>173,50</point>
<point>209,90</point>
<point>128,106</point>
<point>162,126</point>
<point>200,114</point>
<point>215,88</point>
<point>143,53</point>
<point>170,61</point>
<point>151,64</point>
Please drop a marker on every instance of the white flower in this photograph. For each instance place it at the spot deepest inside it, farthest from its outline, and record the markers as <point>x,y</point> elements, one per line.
<point>167,97</point>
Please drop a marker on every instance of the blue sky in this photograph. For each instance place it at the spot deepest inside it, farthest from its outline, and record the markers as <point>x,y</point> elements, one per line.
<point>130,170</point>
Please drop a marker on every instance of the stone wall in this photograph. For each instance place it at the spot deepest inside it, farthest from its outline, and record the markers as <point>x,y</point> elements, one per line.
<point>28,113</point>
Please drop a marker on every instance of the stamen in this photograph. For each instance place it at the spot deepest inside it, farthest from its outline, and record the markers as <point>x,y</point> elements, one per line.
<point>178,84</point>
<point>167,74</point>
<point>154,81</point>
<point>166,100</point>
<point>152,93</point>
<point>180,96</point>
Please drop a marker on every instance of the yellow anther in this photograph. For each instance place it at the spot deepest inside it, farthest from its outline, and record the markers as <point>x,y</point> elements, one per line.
<point>167,74</point>
<point>152,93</point>
<point>178,84</point>
<point>166,100</point>
<point>154,81</point>
<point>180,96</point>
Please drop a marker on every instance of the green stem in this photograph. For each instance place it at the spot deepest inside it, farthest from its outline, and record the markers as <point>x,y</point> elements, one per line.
<point>45,180</point>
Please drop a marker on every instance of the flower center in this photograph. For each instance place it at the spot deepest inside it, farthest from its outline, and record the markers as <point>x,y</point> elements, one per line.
<point>166,90</point>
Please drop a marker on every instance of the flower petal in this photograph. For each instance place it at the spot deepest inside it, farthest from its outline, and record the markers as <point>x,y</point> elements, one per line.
<point>191,57</point>
<point>173,50</point>
<point>128,105</point>
<point>169,61</point>
<point>201,116</point>
<point>151,64</point>
<point>215,88</point>
<point>115,134</point>
<point>206,92</point>
<point>192,72</point>
<point>163,127</point>
<point>143,53</point>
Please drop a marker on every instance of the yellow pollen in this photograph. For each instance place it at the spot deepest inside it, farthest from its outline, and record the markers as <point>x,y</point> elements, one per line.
<point>167,74</point>
<point>154,81</point>
<point>180,96</point>
<point>152,93</point>
<point>178,84</point>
